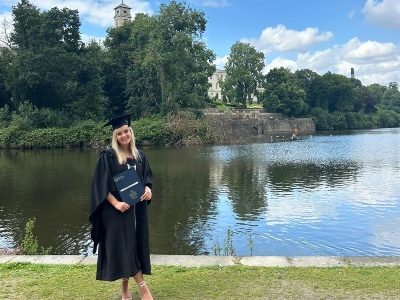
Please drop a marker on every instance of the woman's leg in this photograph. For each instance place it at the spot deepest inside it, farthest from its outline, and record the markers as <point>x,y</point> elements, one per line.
<point>125,290</point>
<point>143,288</point>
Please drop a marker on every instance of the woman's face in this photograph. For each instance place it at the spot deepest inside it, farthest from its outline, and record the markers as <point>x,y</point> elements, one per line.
<point>124,135</point>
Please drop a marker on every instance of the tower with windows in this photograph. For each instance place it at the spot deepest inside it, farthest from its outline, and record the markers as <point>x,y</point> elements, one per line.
<point>122,14</point>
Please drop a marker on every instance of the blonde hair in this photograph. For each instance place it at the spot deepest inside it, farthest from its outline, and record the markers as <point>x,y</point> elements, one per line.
<point>121,156</point>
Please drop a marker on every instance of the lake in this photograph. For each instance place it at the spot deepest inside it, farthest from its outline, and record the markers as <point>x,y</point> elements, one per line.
<point>321,195</point>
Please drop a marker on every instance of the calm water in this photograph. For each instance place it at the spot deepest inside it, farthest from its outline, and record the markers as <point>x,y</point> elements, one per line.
<point>322,195</point>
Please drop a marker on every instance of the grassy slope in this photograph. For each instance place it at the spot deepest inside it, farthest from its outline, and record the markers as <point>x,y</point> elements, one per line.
<point>29,281</point>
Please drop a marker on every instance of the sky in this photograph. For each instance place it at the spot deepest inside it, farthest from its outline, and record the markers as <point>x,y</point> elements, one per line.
<point>321,35</point>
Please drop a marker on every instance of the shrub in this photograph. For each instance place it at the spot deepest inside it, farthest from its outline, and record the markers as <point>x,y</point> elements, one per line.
<point>151,129</point>
<point>185,129</point>
<point>30,245</point>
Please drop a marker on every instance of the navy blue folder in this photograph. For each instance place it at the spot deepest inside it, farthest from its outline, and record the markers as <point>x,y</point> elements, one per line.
<point>129,186</point>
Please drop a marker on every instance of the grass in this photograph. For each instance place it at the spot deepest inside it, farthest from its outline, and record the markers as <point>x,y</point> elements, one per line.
<point>32,281</point>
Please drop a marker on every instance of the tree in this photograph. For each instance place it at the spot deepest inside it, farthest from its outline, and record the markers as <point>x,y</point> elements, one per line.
<point>334,92</point>
<point>171,59</point>
<point>6,57</point>
<point>282,93</point>
<point>117,59</point>
<point>305,79</point>
<point>391,97</point>
<point>88,100</point>
<point>243,74</point>
<point>35,30</point>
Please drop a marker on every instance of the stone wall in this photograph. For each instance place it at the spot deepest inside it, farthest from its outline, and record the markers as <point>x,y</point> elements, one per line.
<point>248,125</point>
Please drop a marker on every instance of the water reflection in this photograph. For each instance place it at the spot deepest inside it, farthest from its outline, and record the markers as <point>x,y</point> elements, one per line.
<point>325,195</point>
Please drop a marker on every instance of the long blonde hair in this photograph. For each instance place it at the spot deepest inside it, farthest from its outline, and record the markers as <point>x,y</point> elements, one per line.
<point>121,156</point>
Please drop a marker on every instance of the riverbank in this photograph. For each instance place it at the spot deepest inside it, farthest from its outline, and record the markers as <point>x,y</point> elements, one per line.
<point>194,127</point>
<point>207,277</point>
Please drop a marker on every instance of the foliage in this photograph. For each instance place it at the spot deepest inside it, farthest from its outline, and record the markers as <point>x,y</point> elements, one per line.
<point>171,63</point>
<point>28,116</point>
<point>155,65</point>
<point>5,116</point>
<point>151,129</point>
<point>387,118</point>
<point>29,244</point>
<point>229,249</point>
<point>282,94</point>
<point>185,129</point>
<point>243,74</point>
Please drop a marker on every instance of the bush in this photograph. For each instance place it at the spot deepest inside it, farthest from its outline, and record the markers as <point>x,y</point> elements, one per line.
<point>30,245</point>
<point>387,118</point>
<point>9,136</point>
<point>5,116</point>
<point>152,129</point>
<point>28,116</point>
<point>322,119</point>
<point>185,129</point>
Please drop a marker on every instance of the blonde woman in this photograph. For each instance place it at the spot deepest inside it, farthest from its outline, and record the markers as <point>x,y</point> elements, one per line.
<point>119,230</point>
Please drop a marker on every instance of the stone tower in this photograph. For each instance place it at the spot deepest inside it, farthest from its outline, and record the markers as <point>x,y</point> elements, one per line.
<point>352,72</point>
<point>122,14</point>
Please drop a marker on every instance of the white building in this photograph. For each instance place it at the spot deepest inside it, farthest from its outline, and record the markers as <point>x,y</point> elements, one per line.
<point>122,14</point>
<point>215,90</point>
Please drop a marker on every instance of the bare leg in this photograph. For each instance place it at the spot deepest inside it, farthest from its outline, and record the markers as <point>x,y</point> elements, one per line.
<point>125,290</point>
<point>143,288</point>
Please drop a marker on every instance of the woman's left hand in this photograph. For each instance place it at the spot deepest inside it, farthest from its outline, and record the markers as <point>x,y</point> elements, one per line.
<point>147,194</point>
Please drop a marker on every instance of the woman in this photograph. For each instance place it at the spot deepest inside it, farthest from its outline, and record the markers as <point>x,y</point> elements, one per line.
<point>121,231</point>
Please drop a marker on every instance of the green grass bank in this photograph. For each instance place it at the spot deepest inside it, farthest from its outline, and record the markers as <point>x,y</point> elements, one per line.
<point>37,281</point>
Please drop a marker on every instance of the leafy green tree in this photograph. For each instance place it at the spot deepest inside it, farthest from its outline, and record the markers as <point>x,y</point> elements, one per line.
<point>117,59</point>
<point>89,101</point>
<point>5,61</point>
<point>170,57</point>
<point>391,97</point>
<point>374,97</point>
<point>334,92</point>
<point>243,74</point>
<point>305,79</point>
<point>282,93</point>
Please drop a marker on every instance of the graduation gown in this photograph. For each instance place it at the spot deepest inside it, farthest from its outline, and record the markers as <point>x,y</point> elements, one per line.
<point>122,238</point>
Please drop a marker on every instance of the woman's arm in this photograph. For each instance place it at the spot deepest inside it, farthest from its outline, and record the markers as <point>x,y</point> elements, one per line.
<point>118,205</point>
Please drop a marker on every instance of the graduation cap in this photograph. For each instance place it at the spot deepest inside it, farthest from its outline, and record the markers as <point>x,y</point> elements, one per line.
<point>119,121</point>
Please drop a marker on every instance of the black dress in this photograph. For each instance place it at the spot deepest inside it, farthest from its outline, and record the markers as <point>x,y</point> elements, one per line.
<point>122,237</point>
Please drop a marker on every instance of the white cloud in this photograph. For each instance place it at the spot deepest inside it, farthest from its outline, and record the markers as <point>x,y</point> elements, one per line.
<point>374,62</point>
<point>220,62</point>
<point>385,12</point>
<point>5,20</point>
<point>99,12</point>
<point>210,3</point>
<point>282,39</point>
<point>214,3</point>
<point>86,38</point>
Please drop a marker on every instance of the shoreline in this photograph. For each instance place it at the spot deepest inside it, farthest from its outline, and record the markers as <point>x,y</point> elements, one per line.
<point>221,261</point>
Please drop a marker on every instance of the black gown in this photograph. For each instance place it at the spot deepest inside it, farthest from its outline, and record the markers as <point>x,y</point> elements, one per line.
<point>122,237</point>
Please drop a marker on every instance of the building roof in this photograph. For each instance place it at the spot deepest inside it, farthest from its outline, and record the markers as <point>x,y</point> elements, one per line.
<point>122,5</point>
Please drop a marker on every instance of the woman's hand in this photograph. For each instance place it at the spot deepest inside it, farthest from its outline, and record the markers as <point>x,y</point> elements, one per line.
<point>147,194</point>
<point>121,206</point>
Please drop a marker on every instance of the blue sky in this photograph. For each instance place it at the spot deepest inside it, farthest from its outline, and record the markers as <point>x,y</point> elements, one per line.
<point>320,35</point>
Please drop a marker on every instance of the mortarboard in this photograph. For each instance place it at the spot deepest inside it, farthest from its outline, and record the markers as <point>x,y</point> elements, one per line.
<point>119,121</point>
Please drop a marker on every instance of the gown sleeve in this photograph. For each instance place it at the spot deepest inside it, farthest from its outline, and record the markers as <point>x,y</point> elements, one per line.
<point>146,171</point>
<point>102,184</point>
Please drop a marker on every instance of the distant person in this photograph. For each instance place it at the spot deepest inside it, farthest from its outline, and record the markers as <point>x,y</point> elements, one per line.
<point>295,134</point>
<point>120,231</point>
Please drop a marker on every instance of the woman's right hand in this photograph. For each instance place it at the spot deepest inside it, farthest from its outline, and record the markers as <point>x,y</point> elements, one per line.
<point>121,206</point>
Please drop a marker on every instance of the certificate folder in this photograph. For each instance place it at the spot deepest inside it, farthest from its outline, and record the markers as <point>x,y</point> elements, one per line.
<point>129,186</point>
